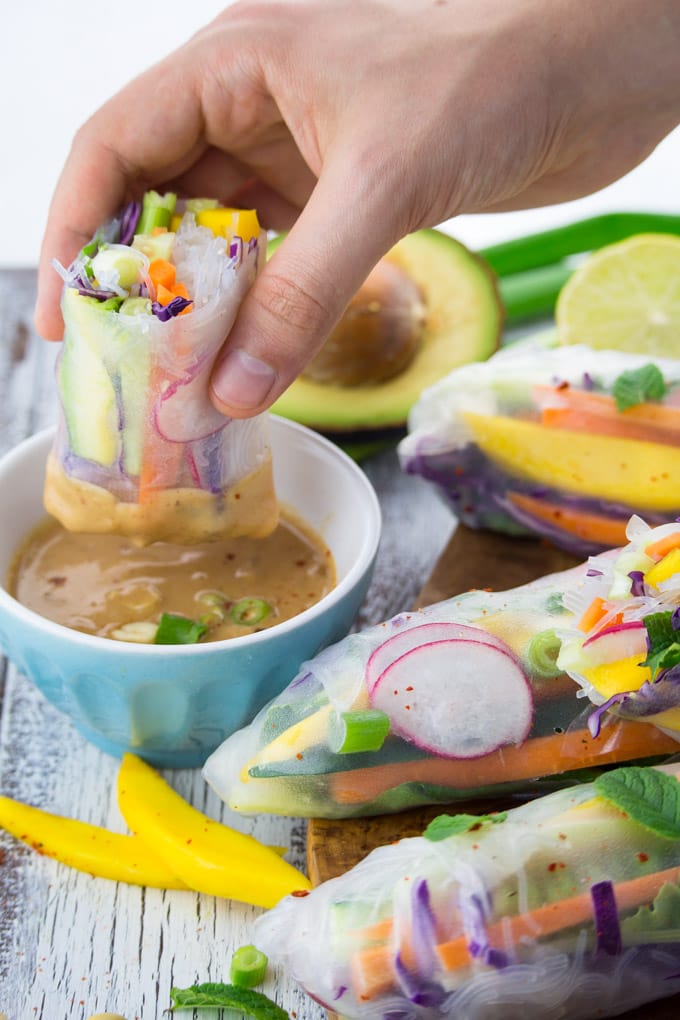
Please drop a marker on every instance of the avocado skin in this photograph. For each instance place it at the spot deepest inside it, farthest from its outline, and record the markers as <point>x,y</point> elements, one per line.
<point>464,323</point>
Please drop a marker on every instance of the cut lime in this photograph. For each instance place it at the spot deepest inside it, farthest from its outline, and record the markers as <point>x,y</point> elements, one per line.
<point>625,297</point>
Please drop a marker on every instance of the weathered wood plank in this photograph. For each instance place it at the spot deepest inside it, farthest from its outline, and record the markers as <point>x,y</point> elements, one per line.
<point>71,945</point>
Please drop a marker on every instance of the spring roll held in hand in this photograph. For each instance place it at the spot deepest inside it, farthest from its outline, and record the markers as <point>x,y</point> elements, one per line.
<point>566,907</point>
<point>140,450</point>
<point>469,695</point>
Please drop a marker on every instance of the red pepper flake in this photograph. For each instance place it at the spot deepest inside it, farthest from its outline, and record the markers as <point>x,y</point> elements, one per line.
<point>407,707</point>
<point>562,386</point>
<point>410,687</point>
<point>555,865</point>
<point>299,756</point>
<point>189,841</point>
<point>561,835</point>
<point>643,857</point>
<point>300,893</point>
<point>237,495</point>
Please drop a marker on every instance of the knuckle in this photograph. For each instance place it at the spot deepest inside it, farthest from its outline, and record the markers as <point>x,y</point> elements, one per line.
<point>291,303</point>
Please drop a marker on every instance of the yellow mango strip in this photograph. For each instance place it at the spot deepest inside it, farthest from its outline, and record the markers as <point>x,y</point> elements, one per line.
<point>664,569</point>
<point>86,847</point>
<point>208,856</point>
<point>226,222</point>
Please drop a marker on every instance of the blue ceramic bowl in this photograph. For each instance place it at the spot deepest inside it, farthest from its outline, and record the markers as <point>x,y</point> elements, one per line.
<point>173,705</point>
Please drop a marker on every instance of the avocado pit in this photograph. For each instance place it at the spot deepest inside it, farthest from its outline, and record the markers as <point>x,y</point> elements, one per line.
<point>379,333</point>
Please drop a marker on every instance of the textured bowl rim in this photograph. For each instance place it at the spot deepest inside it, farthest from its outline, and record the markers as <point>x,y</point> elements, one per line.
<point>372,521</point>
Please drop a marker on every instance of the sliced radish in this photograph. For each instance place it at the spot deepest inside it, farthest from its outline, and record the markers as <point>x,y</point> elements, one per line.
<point>456,698</point>
<point>621,641</point>
<point>184,412</point>
<point>425,633</point>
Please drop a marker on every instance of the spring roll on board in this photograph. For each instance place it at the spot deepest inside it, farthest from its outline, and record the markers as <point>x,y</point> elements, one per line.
<point>475,694</point>
<point>565,443</point>
<point>566,907</point>
<point>139,449</point>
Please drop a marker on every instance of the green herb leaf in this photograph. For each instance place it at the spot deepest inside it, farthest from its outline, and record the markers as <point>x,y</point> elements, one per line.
<point>554,603</point>
<point>649,797</point>
<point>213,994</point>
<point>664,647</point>
<point>662,919</point>
<point>637,385</point>
<point>444,826</point>
<point>178,630</point>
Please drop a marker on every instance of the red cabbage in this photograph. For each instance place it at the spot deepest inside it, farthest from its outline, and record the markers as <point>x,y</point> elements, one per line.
<point>606,915</point>
<point>129,220</point>
<point>652,697</point>
<point>169,311</point>
<point>638,586</point>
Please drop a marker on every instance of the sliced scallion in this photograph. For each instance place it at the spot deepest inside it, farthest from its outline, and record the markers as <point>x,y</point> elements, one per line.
<point>249,612</point>
<point>248,967</point>
<point>361,730</point>
<point>178,630</point>
<point>542,654</point>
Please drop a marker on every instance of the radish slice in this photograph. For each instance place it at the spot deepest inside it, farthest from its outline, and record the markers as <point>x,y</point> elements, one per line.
<point>621,641</point>
<point>408,640</point>
<point>184,413</point>
<point>456,698</point>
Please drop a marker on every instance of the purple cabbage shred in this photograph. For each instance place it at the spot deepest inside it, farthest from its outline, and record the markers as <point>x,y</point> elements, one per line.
<point>637,582</point>
<point>129,221</point>
<point>169,311</point>
<point>606,916</point>
<point>420,991</point>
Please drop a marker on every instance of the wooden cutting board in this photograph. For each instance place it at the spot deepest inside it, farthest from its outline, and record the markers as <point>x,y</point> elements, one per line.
<point>472,559</point>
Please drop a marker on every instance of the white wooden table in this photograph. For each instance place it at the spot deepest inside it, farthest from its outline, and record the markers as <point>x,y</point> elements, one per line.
<point>72,945</point>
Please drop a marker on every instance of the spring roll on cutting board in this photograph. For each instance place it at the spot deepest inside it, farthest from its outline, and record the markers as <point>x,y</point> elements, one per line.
<point>473,695</point>
<point>564,443</point>
<point>140,450</point>
<point>568,907</point>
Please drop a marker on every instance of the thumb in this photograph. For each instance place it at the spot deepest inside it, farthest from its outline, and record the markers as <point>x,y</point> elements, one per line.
<point>297,299</point>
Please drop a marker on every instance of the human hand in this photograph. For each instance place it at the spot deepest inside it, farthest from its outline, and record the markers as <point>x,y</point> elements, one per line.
<point>357,121</point>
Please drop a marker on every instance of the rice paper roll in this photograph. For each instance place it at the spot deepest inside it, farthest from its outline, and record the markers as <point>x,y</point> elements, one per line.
<point>568,906</point>
<point>139,449</point>
<point>532,442</point>
<point>468,696</point>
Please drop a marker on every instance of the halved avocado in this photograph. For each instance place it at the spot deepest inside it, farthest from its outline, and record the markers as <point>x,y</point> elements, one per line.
<point>463,322</point>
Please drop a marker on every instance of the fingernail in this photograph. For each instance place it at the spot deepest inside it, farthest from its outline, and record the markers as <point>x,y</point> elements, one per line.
<point>240,380</point>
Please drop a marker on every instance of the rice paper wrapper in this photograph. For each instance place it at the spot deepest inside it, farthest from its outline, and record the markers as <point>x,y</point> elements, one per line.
<point>530,443</point>
<point>563,908</point>
<point>472,699</point>
<point>140,449</point>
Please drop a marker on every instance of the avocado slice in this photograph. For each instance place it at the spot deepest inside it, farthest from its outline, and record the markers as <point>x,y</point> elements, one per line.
<point>463,323</point>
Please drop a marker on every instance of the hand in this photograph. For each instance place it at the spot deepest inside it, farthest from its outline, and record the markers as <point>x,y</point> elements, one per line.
<point>357,121</point>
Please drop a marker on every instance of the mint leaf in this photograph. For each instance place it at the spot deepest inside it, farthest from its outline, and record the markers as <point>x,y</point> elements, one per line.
<point>647,796</point>
<point>444,826</point>
<point>637,385</point>
<point>662,638</point>
<point>214,994</point>
<point>178,630</point>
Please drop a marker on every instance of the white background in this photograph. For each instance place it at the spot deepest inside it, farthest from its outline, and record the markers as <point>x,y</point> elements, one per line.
<point>59,62</point>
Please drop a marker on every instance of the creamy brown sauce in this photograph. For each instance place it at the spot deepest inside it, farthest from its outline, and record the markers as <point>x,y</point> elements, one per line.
<point>170,515</point>
<point>99,584</point>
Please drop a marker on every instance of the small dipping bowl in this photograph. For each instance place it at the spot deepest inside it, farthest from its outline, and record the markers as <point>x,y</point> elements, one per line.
<point>174,704</point>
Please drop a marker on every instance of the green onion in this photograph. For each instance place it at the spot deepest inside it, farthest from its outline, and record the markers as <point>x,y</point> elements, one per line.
<point>212,598</point>
<point>362,730</point>
<point>542,654</point>
<point>249,612</point>
<point>532,294</point>
<point>213,617</point>
<point>195,205</point>
<point>248,967</point>
<point>157,211</point>
<point>112,304</point>
<point>178,630</point>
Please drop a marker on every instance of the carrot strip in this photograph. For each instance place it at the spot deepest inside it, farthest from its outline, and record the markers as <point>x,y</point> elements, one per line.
<point>588,526</point>
<point>593,614</point>
<point>553,917</point>
<point>163,274</point>
<point>664,417</point>
<point>372,969</point>
<point>657,550</point>
<point>542,756</point>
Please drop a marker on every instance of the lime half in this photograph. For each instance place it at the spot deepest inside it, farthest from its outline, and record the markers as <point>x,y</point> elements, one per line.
<point>625,297</point>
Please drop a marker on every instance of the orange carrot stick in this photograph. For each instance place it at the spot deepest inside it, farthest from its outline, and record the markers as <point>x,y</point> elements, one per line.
<point>163,274</point>
<point>597,609</point>
<point>588,526</point>
<point>540,756</point>
<point>662,417</point>
<point>372,969</point>
<point>657,550</point>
